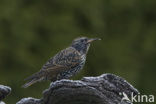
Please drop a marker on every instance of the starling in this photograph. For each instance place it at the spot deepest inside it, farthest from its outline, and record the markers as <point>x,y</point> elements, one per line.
<point>64,64</point>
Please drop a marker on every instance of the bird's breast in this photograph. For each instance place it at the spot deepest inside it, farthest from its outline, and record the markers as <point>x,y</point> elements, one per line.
<point>83,59</point>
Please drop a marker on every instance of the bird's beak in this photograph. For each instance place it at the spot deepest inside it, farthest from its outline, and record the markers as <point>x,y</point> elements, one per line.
<point>92,39</point>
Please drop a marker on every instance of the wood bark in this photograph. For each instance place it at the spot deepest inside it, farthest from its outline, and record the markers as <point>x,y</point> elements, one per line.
<point>104,89</point>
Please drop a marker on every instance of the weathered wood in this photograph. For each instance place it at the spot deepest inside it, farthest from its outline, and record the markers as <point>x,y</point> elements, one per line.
<point>4,91</point>
<point>104,89</point>
<point>29,100</point>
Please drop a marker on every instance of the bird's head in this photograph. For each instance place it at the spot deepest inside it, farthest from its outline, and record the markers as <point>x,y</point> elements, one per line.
<point>82,44</point>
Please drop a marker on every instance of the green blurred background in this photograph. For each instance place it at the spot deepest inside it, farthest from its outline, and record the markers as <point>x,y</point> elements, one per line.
<point>32,31</point>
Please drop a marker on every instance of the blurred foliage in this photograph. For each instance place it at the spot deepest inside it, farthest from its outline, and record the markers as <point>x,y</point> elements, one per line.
<point>32,31</point>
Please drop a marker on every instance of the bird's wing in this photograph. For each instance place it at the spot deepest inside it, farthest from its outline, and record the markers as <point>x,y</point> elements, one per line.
<point>64,60</point>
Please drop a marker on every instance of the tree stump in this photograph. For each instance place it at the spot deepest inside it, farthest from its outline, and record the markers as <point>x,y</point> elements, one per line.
<point>104,89</point>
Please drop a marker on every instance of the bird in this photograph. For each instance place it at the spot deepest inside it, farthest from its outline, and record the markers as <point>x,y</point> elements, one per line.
<point>65,64</point>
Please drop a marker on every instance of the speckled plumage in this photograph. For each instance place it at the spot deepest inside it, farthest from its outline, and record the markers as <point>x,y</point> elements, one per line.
<point>64,64</point>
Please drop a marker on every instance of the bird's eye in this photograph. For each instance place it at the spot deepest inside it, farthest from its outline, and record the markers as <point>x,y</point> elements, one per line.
<point>85,39</point>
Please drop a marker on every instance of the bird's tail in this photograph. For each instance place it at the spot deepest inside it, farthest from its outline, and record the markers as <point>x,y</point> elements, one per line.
<point>29,83</point>
<point>39,76</point>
